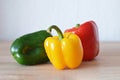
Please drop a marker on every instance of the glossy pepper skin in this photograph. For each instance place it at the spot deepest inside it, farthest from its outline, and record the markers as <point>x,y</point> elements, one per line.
<point>88,33</point>
<point>64,51</point>
<point>29,49</point>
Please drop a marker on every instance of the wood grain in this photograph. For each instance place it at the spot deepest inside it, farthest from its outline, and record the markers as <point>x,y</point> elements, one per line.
<point>106,66</point>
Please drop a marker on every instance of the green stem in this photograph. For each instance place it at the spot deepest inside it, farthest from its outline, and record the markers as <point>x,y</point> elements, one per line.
<point>77,25</point>
<point>59,32</point>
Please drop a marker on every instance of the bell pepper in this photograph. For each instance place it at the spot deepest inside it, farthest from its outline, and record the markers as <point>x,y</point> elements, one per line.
<point>29,49</point>
<point>88,33</point>
<point>64,50</point>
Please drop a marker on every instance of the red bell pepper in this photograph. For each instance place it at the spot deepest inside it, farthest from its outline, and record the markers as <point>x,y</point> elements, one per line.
<point>88,33</point>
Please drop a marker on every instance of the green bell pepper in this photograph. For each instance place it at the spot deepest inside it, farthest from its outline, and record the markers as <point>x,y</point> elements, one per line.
<point>29,49</point>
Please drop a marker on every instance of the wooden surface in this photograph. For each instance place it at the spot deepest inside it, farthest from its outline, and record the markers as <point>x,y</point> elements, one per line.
<point>106,66</point>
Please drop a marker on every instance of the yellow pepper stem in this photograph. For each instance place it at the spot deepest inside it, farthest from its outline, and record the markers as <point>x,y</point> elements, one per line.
<point>59,32</point>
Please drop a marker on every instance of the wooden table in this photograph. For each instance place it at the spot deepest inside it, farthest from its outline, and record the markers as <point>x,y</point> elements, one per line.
<point>106,66</point>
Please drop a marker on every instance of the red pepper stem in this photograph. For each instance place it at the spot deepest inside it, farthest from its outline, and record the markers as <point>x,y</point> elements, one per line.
<point>59,32</point>
<point>77,25</point>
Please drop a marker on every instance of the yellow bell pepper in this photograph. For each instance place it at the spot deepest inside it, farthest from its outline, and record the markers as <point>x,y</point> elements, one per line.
<point>64,51</point>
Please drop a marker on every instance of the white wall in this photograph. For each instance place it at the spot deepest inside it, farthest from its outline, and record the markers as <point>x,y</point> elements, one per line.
<point>18,17</point>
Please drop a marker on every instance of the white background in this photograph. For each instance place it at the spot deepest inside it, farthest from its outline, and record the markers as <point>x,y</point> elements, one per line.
<point>18,17</point>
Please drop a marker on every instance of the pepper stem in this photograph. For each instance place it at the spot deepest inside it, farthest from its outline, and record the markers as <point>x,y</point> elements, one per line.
<point>59,32</point>
<point>77,25</point>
